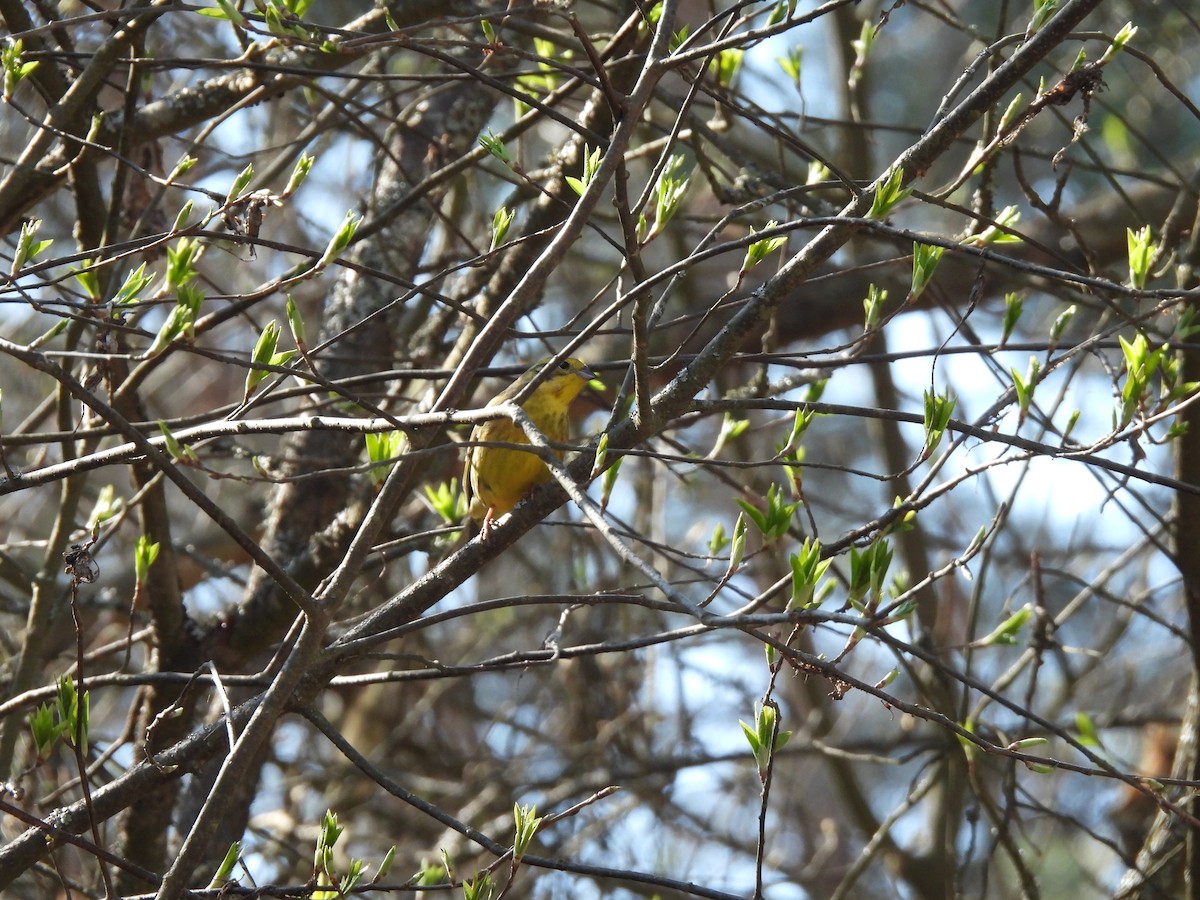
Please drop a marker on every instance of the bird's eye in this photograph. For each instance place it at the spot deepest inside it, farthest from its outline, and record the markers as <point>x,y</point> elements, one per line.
<point>564,365</point>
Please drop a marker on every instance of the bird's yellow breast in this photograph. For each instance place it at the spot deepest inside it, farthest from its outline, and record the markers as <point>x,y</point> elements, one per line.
<point>498,478</point>
<point>501,476</point>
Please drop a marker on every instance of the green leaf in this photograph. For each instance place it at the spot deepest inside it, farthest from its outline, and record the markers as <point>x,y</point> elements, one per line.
<point>1088,735</point>
<point>184,165</point>
<point>135,282</point>
<point>526,822</point>
<point>737,548</point>
<point>753,740</point>
<point>807,569</point>
<point>925,261</point>
<point>970,748</point>
<point>1014,305</point>
<point>719,541</point>
<point>144,555</point>
<point>868,574</point>
<point>47,729</point>
<point>608,481</point>
<point>591,165</point>
<point>791,63</point>
<point>1141,364</point>
<point>481,887</point>
<point>446,500</point>
<point>181,321</point>
<point>889,190</point>
<point>500,224</point>
<point>299,173</point>
<point>1141,255</point>
<point>774,521</point>
<point>182,453</point>
<point>873,305</point>
<point>225,10</point>
<point>1042,11</point>
<point>264,347</point>
<point>1060,324</point>
<point>669,191</point>
<point>73,711</point>
<point>430,874</point>
<point>760,250</point>
<point>801,421</point>
<point>938,410</point>
<point>181,219</point>
<point>382,450</point>
<point>88,278</point>
<point>864,42</point>
<point>905,522</point>
<point>1005,634</point>
<point>106,506</point>
<point>385,865</point>
<point>327,838</point>
<point>726,65</point>
<point>1028,743</point>
<point>601,455</point>
<point>679,37</point>
<point>1007,218</point>
<point>1024,386</point>
<point>1124,36</point>
<point>496,147</point>
<point>759,736</point>
<point>265,354</point>
<point>181,262</point>
<point>295,323</point>
<point>225,870</point>
<point>27,248</point>
<point>240,183</point>
<point>1010,112</point>
<point>15,68</point>
<point>341,239</point>
<point>546,78</point>
<point>783,11</point>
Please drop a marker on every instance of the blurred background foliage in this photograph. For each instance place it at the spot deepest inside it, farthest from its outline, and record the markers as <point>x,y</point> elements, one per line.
<point>971,714</point>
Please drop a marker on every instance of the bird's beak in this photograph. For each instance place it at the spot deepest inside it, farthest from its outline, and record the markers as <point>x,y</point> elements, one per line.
<point>586,373</point>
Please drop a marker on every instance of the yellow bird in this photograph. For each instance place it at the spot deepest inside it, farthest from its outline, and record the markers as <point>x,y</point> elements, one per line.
<point>498,478</point>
